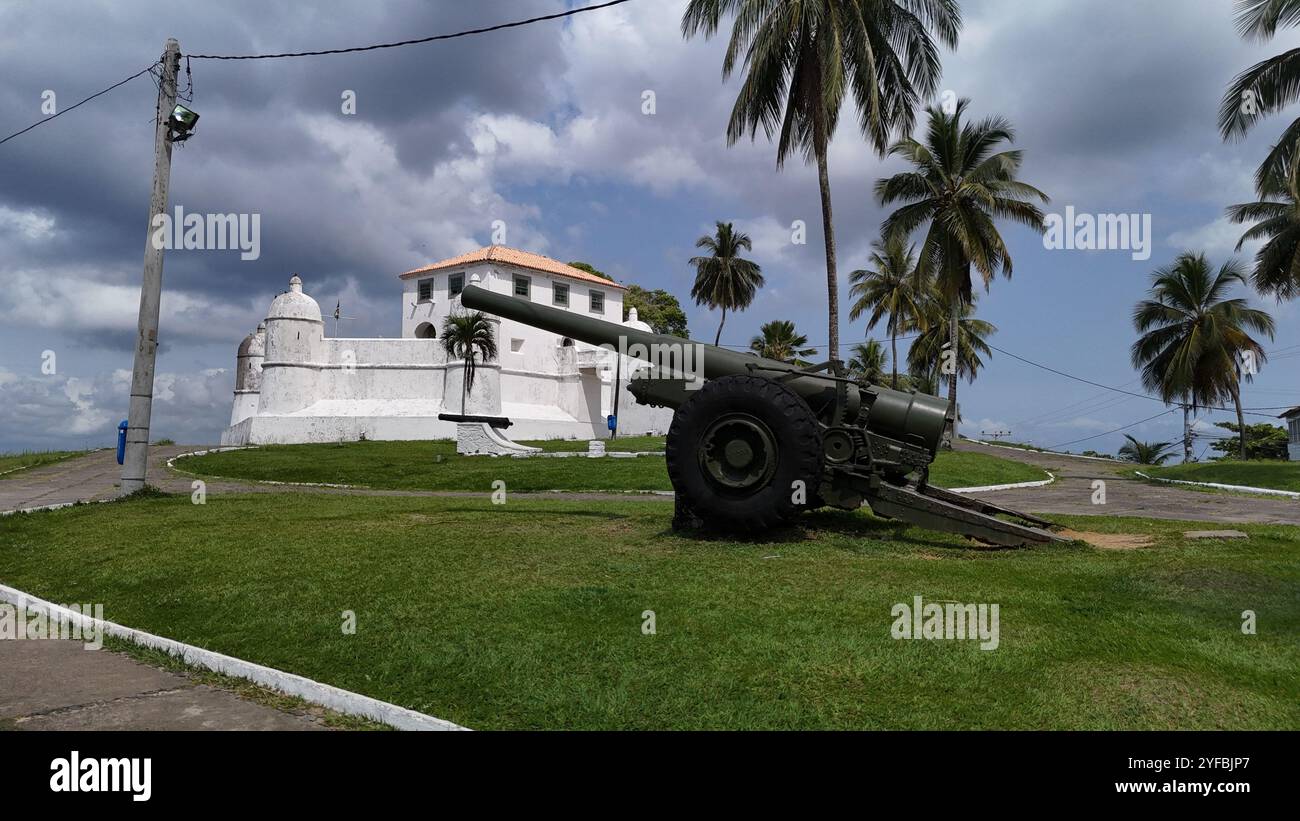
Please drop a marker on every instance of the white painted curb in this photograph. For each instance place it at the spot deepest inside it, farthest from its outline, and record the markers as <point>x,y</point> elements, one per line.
<point>172,466</point>
<point>1050,478</point>
<point>58,506</point>
<point>339,700</point>
<point>1290,494</point>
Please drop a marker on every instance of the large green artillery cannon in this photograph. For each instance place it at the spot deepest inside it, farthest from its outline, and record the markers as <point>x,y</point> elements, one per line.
<point>755,442</point>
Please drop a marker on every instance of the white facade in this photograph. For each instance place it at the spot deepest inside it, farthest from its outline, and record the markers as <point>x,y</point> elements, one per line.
<point>295,385</point>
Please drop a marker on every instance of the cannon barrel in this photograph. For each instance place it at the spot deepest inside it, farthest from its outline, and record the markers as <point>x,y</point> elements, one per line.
<point>908,416</point>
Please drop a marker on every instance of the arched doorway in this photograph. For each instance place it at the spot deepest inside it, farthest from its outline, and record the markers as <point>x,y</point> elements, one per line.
<point>425,330</point>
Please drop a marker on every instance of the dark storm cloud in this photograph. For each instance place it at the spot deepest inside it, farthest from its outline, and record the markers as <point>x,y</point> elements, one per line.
<point>91,171</point>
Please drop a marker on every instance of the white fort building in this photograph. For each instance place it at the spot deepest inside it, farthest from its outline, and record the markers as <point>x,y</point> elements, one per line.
<point>294,384</point>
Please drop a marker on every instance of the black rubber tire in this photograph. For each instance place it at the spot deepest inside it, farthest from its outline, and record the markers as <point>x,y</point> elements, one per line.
<point>794,428</point>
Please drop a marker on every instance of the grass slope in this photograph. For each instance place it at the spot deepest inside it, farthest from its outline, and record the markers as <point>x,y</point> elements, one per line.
<point>1277,475</point>
<point>529,614</point>
<point>11,463</point>
<point>412,466</point>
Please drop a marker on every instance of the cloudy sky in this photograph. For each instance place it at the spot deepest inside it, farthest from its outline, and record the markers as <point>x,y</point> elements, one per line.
<point>543,128</point>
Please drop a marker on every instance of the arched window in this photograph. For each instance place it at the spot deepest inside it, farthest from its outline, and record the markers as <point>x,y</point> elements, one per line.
<point>566,342</point>
<point>425,331</point>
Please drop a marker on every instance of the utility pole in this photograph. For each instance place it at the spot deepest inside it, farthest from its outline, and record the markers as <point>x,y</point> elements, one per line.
<point>1187,434</point>
<point>136,458</point>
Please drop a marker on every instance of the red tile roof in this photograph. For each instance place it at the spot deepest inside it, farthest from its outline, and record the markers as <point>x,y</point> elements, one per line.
<point>512,256</point>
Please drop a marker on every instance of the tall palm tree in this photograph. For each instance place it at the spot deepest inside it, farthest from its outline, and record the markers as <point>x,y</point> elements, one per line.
<point>1145,453</point>
<point>1276,217</point>
<point>929,350</point>
<point>960,183</point>
<point>803,56</point>
<point>1193,337</point>
<point>724,279</point>
<point>890,288</point>
<point>468,336</point>
<point>779,340</point>
<point>1266,87</point>
<point>868,360</point>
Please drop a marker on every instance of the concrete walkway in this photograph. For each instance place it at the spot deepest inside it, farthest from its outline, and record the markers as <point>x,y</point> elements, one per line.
<point>60,685</point>
<point>95,477</point>
<point>1072,493</point>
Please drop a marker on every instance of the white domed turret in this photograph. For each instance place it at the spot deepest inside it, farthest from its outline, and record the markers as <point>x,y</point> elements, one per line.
<point>295,344</point>
<point>633,321</point>
<point>248,375</point>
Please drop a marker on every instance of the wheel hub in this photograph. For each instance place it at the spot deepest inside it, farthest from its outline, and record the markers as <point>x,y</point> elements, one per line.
<point>738,452</point>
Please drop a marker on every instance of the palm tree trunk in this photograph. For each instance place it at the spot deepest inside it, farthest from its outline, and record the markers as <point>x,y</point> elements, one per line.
<point>893,343</point>
<point>464,386</point>
<point>718,338</point>
<point>1241,418</point>
<point>954,316</point>
<point>820,138</point>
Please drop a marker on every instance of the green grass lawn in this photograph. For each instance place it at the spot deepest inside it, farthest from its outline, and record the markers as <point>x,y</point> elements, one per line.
<point>1277,475</point>
<point>11,463</point>
<point>412,466</point>
<point>529,614</point>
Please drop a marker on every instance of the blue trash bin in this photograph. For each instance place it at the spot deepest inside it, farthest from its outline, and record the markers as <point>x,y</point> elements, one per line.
<point>121,441</point>
<point>611,422</point>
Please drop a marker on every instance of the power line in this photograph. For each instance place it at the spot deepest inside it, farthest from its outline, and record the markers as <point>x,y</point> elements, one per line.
<point>60,113</point>
<point>1121,390</point>
<point>431,39</point>
<point>450,36</point>
<point>1116,430</point>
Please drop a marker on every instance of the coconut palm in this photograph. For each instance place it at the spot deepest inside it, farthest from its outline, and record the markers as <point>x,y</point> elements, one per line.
<point>1266,87</point>
<point>960,183</point>
<point>779,340</point>
<point>468,336</point>
<point>889,288</point>
<point>1193,338</point>
<point>724,279</point>
<point>1145,453</point>
<point>1276,218</point>
<point>929,352</point>
<point>867,362</point>
<point>801,59</point>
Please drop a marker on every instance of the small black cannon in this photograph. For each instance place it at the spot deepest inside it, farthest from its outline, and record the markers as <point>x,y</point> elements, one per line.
<point>755,442</point>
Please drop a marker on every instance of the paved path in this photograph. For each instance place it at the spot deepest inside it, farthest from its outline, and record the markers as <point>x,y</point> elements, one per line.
<point>60,685</point>
<point>1072,493</point>
<point>95,477</point>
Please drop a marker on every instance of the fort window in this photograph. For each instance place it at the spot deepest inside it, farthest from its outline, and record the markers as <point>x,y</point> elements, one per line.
<point>425,331</point>
<point>522,286</point>
<point>597,302</point>
<point>424,290</point>
<point>560,294</point>
<point>455,284</point>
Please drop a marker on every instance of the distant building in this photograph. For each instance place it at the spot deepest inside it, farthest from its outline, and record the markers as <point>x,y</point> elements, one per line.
<point>1292,418</point>
<point>293,384</point>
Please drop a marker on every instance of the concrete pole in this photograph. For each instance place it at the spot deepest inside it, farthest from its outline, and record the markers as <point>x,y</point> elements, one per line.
<point>1187,434</point>
<point>136,457</point>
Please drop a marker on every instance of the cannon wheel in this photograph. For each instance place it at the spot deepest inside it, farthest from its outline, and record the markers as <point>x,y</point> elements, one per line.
<point>737,447</point>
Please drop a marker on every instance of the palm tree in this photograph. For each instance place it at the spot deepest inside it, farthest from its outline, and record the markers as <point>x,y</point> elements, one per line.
<point>959,184</point>
<point>1277,220</point>
<point>468,336</point>
<point>803,56</point>
<point>929,351</point>
<point>867,362</point>
<point>779,340</point>
<point>1145,453</point>
<point>1266,87</point>
<point>1193,338</point>
<point>889,287</point>
<point>724,279</point>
